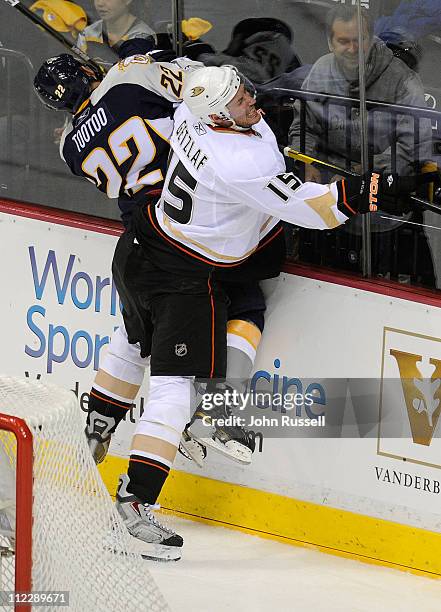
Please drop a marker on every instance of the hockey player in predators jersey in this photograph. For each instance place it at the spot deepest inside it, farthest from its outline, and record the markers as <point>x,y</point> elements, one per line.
<point>118,139</point>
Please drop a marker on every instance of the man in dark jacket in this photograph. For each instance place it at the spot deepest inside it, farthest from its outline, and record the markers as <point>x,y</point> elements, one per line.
<point>388,79</point>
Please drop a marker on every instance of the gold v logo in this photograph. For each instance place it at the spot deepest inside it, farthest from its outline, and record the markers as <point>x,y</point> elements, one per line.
<point>422,397</point>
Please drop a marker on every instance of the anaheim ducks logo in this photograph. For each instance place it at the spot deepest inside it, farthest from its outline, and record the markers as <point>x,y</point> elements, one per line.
<point>196,91</point>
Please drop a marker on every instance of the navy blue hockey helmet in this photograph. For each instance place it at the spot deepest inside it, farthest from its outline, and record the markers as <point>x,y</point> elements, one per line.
<point>62,84</point>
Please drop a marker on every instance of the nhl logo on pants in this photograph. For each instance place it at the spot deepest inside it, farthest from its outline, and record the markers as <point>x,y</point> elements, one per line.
<point>181,349</point>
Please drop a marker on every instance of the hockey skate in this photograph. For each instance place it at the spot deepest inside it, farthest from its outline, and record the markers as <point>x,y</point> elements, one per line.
<point>191,449</point>
<point>150,538</point>
<point>98,432</point>
<point>232,441</point>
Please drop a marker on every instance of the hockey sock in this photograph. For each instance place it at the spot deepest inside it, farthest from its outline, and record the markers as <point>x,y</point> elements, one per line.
<point>147,476</point>
<point>108,405</point>
<point>243,338</point>
<point>157,435</point>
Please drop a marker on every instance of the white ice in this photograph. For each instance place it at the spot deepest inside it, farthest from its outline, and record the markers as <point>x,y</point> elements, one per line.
<point>224,569</point>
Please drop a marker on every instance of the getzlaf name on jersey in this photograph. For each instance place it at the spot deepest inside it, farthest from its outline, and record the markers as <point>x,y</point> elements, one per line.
<point>119,137</point>
<point>224,196</point>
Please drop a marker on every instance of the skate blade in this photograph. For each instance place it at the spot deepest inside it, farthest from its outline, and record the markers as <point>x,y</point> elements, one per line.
<point>196,451</point>
<point>232,449</point>
<point>154,552</point>
<point>161,558</point>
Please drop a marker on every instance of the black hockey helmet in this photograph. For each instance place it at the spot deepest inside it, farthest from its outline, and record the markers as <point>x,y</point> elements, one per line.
<point>62,84</point>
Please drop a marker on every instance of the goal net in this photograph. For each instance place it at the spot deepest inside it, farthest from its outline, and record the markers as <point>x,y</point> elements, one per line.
<point>69,537</point>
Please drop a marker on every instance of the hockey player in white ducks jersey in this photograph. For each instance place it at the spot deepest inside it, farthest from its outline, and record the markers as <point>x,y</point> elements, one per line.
<point>118,138</point>
<point>217,222</point>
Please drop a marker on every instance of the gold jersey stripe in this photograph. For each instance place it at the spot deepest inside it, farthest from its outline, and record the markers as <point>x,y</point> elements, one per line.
<point>265,225</point>
<point>83,106</point>
<point>322,205</point>
<point>180,236</point>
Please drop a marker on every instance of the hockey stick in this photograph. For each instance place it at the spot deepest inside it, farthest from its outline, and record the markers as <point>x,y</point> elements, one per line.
<point>17,4</point>
<point>417,201</point>
<point>307,159</point>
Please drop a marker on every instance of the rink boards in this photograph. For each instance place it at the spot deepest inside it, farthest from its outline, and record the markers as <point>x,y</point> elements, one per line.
<point>367,484</point>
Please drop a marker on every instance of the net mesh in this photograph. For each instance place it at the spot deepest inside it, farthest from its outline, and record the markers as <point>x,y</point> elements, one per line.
<point>80,544</point>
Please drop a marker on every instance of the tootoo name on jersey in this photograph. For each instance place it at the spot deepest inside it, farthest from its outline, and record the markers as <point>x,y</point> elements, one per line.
<point>118,138</point>
<point>87,126</point>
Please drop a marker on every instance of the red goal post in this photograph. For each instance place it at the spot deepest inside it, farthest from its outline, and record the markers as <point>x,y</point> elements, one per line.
<point>23,493</point>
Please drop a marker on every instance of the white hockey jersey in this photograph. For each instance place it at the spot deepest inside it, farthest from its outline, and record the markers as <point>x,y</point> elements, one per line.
<point>226,190</point>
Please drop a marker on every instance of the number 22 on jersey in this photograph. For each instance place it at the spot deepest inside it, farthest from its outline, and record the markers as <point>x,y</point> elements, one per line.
<point>111,173</point>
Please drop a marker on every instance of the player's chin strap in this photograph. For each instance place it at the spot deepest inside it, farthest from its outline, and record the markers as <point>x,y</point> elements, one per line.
<point>239,128</point>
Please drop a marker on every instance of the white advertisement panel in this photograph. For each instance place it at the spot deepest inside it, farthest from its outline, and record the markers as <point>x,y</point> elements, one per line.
<point>379,453</point>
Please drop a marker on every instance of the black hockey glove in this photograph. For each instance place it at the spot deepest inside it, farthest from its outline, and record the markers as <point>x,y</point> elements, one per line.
<point>380,191</point>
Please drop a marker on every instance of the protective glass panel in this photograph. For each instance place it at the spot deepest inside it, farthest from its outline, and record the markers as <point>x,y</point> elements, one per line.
<point>308,85</point>
<point>406,139</point>
<point>336,128</point>
<point>30,165</point>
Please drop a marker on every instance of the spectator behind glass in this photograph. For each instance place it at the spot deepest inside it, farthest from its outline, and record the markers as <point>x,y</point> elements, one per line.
<point>388,79</point>
<point>260,47</point>
<point>118,23</point>
<point>402,32</point>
